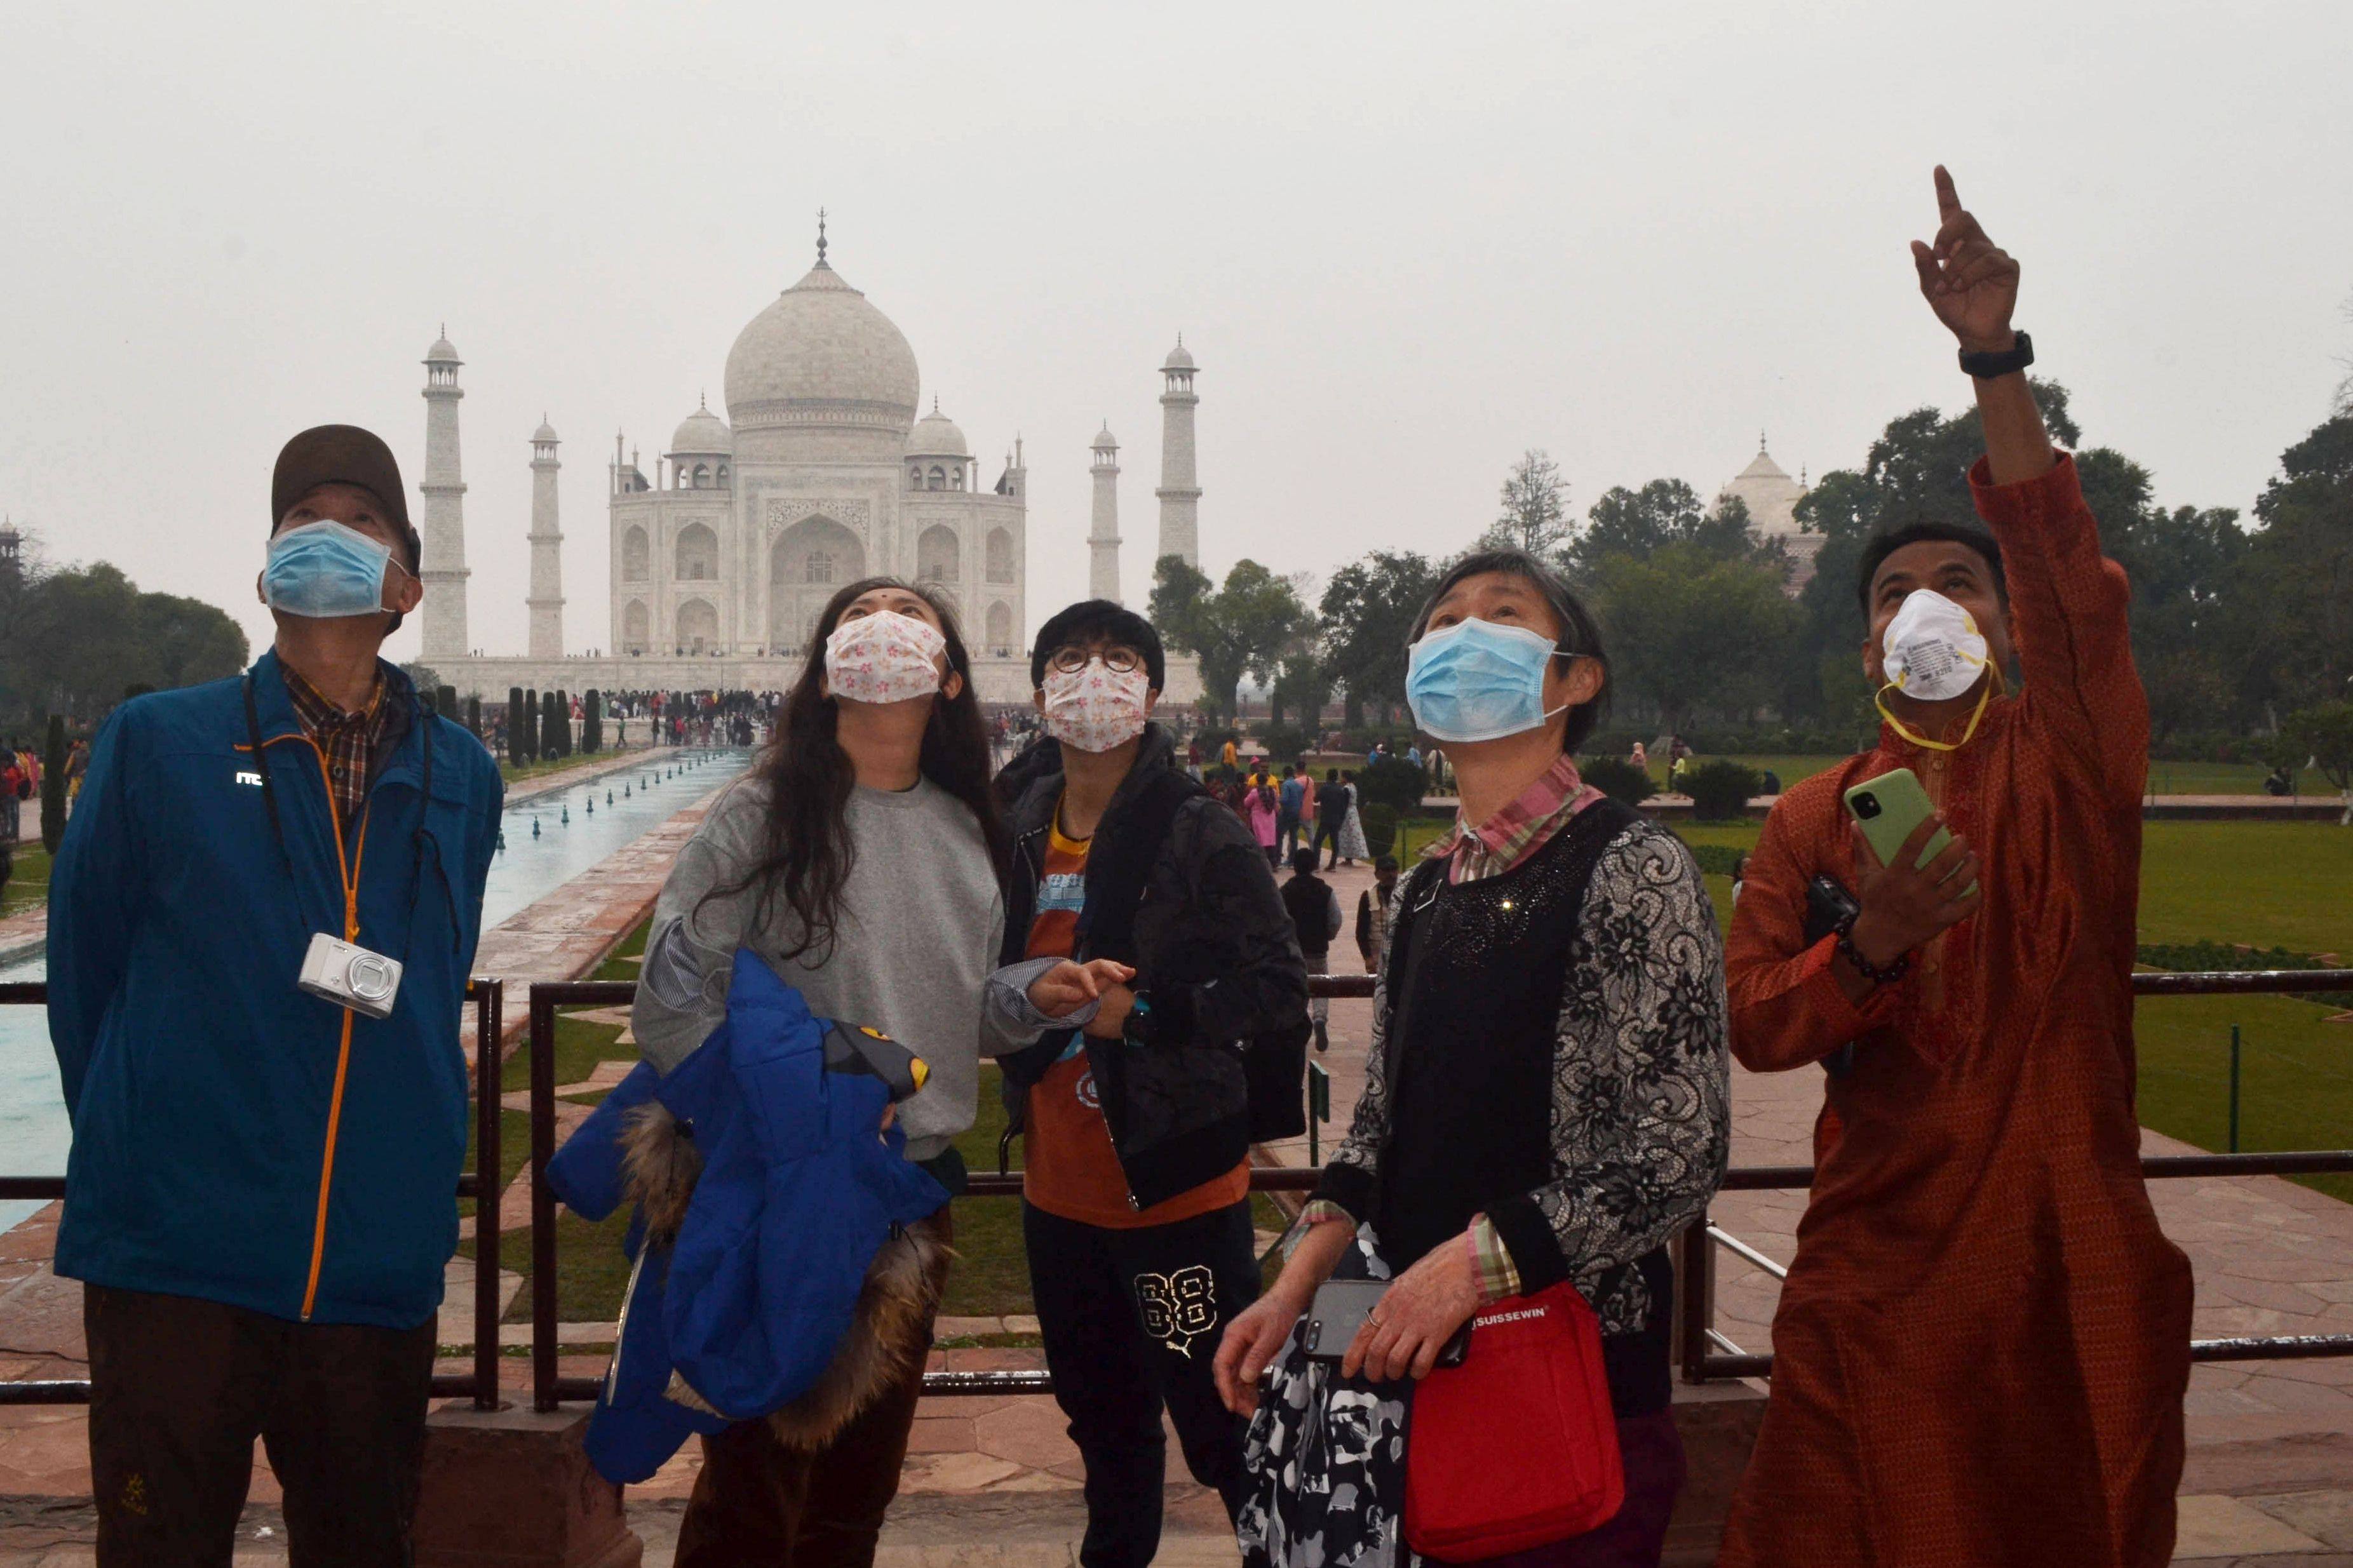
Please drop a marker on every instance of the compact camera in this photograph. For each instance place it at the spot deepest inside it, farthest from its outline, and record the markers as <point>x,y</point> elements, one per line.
<point>351,976</point>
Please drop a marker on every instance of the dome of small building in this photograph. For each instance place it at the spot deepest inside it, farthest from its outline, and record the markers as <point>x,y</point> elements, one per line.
<point>1179,357</point>
<point>936,436</point>
<point>1769,493</point>
<point>1106,441</point>
<point>544,434</point>
<point>702,434</point>
<point>822,354</point>
<point>442,352</point>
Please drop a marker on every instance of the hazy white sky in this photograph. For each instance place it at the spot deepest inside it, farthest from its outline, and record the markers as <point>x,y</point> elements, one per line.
<point>1405,242</point>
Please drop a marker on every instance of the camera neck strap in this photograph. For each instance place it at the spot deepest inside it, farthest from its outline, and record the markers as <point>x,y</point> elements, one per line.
<point>421,838</point>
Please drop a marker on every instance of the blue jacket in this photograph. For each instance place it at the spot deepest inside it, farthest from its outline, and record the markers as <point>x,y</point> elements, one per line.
<point>793,1197</point>
<point>236,1139</point>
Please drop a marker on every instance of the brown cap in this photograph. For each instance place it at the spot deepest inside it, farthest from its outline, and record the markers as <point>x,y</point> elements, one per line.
<point>341,455</point>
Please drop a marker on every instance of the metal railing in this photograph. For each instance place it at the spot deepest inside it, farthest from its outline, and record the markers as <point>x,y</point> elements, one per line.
<point>1706,1353</point>
<point>549,1388</point>
<point>480,1183</point>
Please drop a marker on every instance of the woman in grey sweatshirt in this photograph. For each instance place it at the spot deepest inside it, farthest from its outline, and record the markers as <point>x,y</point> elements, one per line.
<point>860,860</point>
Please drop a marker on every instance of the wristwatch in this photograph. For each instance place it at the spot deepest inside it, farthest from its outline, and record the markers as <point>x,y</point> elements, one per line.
<point>1985,367</point>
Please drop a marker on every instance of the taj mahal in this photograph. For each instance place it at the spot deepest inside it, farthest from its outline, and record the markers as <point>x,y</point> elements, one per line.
<point>724,554</point>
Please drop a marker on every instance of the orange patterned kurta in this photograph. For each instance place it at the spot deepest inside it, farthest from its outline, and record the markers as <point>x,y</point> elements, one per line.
<point>1983,1343</point>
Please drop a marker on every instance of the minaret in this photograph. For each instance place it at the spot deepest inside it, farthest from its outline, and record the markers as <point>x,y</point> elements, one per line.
<point>1102,580</point>
<point>444,565</point>
<point>546,599</point>
<point>1179,491</point>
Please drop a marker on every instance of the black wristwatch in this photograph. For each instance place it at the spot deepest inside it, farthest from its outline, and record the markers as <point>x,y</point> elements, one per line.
<point>1985,367</point>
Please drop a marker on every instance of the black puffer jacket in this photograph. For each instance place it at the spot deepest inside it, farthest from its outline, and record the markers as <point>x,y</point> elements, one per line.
<point>1215,963</point>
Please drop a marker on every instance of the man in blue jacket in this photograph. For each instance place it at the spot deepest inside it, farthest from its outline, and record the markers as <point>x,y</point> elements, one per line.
<point>259,1199</point>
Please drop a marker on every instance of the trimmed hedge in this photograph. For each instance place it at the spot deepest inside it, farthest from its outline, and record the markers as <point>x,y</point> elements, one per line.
<point>1393,783</point>
<point>2233,958</point>
<point>1621,780</point>
<point>1720,790</point>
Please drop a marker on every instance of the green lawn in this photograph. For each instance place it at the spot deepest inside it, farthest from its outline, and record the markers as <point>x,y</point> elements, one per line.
<point>28,878</point>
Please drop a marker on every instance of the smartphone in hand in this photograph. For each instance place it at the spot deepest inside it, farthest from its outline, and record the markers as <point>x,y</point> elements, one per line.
<point>1889,808</point>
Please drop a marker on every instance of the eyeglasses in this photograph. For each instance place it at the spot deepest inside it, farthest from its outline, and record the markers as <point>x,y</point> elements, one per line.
<point>1117,658</point>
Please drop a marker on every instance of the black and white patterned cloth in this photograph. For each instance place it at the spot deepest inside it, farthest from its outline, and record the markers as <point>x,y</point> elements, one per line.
<point>1640,1099</point>
<point>1325,1457</point>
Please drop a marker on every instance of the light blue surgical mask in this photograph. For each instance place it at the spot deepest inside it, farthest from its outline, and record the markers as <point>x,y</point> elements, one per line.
<point>324,568</point>
<point>1476,681</point>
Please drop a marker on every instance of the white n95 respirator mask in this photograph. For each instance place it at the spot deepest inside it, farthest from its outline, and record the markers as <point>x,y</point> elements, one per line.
<point>1933,650</point>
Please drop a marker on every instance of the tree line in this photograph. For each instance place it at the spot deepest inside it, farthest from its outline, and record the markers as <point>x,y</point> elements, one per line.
<point>2237,621</point>
<point>75,641</point>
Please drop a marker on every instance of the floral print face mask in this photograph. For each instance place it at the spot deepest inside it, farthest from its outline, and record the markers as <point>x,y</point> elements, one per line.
<point>1096,709</point>
<point>884,657</point>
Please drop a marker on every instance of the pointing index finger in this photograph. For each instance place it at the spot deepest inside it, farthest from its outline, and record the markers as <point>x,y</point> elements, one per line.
<point>1948,200</point>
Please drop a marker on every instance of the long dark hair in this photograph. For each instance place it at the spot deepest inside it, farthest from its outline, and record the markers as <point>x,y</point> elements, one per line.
<point>807,856</point>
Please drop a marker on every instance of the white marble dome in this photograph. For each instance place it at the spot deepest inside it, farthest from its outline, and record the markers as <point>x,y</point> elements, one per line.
<point>702,434</point>
<point>936,436</point>
<point>1179,357</point>
<point>441,352</point>
<point>821,355</point>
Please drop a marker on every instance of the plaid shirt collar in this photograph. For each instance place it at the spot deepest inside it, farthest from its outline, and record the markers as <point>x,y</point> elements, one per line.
<point>350,742</point>
<point>1517,831</point>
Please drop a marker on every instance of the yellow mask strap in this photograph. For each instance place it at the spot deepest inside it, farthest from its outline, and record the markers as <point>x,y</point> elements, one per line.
<point>1879,700</point>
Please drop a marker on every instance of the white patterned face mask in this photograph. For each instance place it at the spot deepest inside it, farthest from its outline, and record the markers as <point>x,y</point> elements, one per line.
<point>884,657</point>
<point>1096,709</point>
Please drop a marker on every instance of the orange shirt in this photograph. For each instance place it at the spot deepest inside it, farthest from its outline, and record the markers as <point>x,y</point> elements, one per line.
<point>1068,1165</point>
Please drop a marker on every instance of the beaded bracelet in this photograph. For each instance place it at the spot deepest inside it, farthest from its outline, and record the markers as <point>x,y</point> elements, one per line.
<point>1877,974</point>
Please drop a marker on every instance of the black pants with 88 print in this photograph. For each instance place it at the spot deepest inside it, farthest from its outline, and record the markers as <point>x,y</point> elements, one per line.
<point>1132,1320</point>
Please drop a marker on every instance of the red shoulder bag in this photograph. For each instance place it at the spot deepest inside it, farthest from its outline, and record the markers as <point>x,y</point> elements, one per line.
<point>1516,1447</point>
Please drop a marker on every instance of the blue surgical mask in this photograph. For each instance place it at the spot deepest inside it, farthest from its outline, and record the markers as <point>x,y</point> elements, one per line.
<point>324,568</point>
<point>1476,681</point>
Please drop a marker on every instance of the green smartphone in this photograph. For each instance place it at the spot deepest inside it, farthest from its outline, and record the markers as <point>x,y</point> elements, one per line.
<point>1889,808</point>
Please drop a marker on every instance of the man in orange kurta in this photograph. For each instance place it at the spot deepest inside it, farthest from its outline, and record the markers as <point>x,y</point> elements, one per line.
<point>1982,1345</point>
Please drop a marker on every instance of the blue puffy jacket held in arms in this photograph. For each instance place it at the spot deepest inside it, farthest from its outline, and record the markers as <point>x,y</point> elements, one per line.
<point>766,1206</point>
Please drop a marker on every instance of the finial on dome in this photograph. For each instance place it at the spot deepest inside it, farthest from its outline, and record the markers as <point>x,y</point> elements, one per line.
<point>935,402</point>
<point>703,401</point>
<point>1760,440</point>
<point>820,237</point>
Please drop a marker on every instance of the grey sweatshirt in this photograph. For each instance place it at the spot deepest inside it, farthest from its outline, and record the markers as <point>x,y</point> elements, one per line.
<point>921,924</point>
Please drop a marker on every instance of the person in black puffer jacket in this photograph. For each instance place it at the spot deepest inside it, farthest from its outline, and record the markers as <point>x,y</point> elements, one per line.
<point>1134,1106</point>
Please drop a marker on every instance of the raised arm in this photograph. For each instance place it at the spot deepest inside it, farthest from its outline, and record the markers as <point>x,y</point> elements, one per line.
<point>2068,604</point>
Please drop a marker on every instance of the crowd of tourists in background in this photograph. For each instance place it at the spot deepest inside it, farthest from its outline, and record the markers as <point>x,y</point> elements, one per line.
<point>264,913</point>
